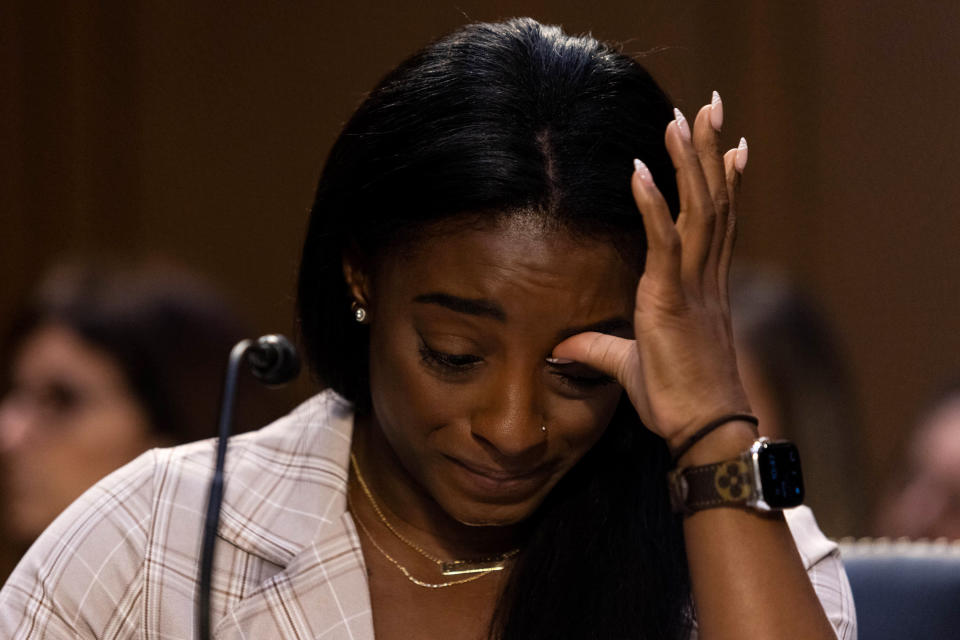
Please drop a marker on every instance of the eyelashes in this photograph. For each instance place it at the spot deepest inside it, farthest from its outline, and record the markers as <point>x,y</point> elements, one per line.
<point>448,362</point>
<point>586,381</point>
<point>455,365</point>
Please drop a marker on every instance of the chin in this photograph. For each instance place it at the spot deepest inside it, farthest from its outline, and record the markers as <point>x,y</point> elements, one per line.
<point>491,515</point>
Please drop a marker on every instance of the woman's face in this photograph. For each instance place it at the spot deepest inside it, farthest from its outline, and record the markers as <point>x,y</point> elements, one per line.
<point>462,327</point>
<point>68,420</point>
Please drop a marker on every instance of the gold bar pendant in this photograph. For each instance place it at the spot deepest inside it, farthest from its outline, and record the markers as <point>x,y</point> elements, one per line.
<point>461,567</point>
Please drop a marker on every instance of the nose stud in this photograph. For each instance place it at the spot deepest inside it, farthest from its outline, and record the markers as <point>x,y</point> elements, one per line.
<point>543,428</point>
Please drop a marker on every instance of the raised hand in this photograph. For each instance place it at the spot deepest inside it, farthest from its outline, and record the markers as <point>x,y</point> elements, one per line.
<point>680,372</point>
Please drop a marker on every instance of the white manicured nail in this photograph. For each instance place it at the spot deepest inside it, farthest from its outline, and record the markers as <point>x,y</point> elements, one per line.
<point>559,361</point>
<point>681,124</point>
<point>643,172</point>
<point>716,111</point>
<point>741,160</point>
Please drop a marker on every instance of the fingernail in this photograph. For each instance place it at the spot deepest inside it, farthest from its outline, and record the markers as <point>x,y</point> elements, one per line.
<point>681,124</point>
<point>559,361</point>
<point>643,172</point>
<point>741,160</point>
<point>716,111</point>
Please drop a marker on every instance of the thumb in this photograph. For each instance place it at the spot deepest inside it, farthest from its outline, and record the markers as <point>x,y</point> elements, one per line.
<point>607,354</point>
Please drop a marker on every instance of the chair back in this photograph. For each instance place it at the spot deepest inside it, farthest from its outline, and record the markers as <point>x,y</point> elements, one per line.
<point>904,588</point>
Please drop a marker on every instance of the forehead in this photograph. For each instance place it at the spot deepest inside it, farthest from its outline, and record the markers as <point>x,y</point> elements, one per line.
<point>519,261</point>
<point>54,350</point>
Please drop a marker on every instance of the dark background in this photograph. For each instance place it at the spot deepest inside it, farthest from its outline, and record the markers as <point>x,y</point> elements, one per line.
<point>197,130</point>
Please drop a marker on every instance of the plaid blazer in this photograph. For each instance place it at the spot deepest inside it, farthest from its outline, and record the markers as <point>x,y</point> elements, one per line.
<point>122,561</point>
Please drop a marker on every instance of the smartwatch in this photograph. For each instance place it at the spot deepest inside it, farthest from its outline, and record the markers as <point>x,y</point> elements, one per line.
<point>766,477</point>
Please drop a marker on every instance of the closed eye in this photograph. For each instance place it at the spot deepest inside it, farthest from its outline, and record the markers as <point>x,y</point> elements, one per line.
<point>581,376</point>
<point>447,363</point>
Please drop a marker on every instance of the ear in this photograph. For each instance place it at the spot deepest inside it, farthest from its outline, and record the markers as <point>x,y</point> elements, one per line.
<point>355,273</point>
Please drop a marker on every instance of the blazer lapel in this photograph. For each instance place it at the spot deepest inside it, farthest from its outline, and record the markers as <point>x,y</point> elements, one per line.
<point>296,517</point>
<point>322,591</point>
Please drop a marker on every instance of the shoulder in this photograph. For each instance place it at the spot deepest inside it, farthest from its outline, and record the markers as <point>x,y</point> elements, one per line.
<point>821,558</point>
<point>266,470</point>
<point>136,532</point>
<point>286,480</point>
<point>84,567</point>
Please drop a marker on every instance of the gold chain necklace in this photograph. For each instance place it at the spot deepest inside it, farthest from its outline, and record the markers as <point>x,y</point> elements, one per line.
<point>481,566</point>
<point>409,576</point>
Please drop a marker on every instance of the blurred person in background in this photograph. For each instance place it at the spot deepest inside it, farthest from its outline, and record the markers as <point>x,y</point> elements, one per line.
<point>106,362</point>
<point>925,503</point>
<point>800,388</point>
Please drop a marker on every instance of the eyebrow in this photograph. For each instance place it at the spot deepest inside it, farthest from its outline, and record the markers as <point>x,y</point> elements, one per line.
<point>470,306</point>
<point>488,308</point>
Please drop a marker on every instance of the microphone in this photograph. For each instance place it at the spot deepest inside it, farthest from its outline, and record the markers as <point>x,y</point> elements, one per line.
<point>274,361</point>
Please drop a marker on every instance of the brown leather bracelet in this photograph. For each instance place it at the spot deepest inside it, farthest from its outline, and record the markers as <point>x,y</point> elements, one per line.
<point>711,426</point>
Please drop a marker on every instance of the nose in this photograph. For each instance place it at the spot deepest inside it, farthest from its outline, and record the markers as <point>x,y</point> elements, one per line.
<point>510,419</point>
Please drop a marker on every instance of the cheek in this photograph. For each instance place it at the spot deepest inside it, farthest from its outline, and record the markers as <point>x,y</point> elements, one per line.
<point>408,402</point>
<point>62,460</point>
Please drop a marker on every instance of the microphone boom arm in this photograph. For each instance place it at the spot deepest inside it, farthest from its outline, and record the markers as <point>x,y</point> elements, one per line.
<point>274,361</point>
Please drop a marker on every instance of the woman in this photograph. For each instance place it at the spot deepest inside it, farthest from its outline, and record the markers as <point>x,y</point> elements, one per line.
<point>798,384</point>
<point>469,294</point>
<point>106,362</point>
<point>923,499</point>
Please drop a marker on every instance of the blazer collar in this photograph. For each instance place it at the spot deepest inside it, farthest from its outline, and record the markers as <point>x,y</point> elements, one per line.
<point>275,517</point>
<point>322,592</point>
<point>304,528</point>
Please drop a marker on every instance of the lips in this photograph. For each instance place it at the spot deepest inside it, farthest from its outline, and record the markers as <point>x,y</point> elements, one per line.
<point>496,483</point>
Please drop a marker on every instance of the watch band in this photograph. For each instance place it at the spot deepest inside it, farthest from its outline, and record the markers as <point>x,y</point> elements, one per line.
<point>766,477</point>
<point>719,484</point>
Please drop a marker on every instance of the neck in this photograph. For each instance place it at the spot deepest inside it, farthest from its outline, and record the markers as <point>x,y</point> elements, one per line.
<point>411,509</point>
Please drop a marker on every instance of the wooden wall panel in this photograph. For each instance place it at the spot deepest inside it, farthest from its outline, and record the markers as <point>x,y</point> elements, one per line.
<point>197,129</point>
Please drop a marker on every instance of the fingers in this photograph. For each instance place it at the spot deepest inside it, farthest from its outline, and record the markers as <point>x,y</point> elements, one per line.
<point>734,162</point>
<point>610,355</point>
<point>697,215</point>
<point>707,182</point>
<point>706,140</point>
<point>697,250</point>
<point>663,240</point>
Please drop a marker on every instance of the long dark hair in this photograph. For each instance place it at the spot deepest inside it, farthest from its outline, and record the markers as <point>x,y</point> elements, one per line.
<point>491,120</point>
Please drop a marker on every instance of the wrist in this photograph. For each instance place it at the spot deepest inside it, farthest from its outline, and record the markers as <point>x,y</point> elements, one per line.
<point>723,443</point>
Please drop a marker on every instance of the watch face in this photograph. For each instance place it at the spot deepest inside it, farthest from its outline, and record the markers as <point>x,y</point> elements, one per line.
<point>780,477</point>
